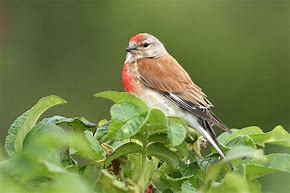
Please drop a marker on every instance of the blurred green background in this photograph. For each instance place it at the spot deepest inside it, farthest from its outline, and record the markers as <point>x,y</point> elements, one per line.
<point>237,51</point>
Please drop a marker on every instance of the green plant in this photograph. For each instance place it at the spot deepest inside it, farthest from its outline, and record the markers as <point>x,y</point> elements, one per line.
<point>137,150</point>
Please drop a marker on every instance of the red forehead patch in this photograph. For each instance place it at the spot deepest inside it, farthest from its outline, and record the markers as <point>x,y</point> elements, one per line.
<point>137,38</point>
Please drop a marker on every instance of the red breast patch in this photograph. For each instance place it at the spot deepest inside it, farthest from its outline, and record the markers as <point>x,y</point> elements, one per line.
<point>128,80</point>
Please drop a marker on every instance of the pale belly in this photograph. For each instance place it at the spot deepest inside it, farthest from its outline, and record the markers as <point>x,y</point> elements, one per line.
<point>158,101</point>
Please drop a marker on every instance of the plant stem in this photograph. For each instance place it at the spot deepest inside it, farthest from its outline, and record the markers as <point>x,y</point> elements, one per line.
<point>141,181</point>
<point>144,156</point>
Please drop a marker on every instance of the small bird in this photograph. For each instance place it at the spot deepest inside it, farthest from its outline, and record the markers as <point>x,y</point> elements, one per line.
<point>153,75</point>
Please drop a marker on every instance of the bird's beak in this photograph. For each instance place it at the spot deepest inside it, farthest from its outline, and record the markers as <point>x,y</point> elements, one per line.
<point>131,47</point>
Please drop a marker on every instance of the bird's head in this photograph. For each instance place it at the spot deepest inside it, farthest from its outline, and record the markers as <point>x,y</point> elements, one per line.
<point>144,45</point>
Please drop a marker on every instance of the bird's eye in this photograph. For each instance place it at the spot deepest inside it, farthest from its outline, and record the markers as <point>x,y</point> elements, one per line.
<point>145,45</point>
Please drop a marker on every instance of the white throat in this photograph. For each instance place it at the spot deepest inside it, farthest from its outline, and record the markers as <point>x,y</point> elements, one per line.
<point>132,58</point>
<point>129,58</point>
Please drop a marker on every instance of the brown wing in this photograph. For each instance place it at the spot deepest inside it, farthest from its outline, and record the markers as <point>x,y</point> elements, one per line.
<point>165,75</point>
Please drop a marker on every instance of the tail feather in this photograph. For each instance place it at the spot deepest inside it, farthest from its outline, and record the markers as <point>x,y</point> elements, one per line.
<point>219,123</point>
<point>208,133</point>
<point>209,129</point>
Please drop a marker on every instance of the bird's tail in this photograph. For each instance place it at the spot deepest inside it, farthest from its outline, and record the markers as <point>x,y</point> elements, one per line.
<point>204,128</point>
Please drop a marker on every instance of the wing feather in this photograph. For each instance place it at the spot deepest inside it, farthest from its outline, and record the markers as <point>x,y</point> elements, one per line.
<point>165,75</point>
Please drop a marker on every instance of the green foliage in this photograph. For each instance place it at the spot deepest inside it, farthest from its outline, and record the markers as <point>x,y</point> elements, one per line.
<point>139,149</point>
<point>124,149</point>
<point>23,124</point>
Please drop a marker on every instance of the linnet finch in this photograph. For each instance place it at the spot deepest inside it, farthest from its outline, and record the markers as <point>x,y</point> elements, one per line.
<point>154,76</point>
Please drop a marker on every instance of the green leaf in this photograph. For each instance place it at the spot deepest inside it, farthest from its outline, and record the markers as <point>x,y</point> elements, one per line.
<point>41,129</point>
<point>109,183</point>
<point>157,122</point>
<point>113,129</point>
<point>238,137</point>
<point>232,183</point>
<point>91,173</point>
<point>278,136</point>
<point>86,145</point>
<point>187,187</point>
<point>241,169</point>
<point>68,183</point>
<point>85,142</point>
<point>236,153</point>
<point>66,158</point>
<point>52,167</point>
<point>125,149</point>
<point>175,181</point>
<point>237,184</point>
<point>95,145</point>
<point>255,186</point>
<point>156,129</point>
<point>275,162</point>
<point>225,137</point>
<point>157,118</point>
<point>78,123</point>
<point>158,138</point>
<point>170,183</point>
<point>118,131</point>
<point>163,153</point>
<point>134,166</point>
<point>241,140</point>
<point>248,131</point>
<point>176,133</point>
<point>181,150</point>
<point>190,169</point>
<point>101,133</point>
<point>23,124</point>
<point>121,97</point>
<point>241,151</point>
<point>125,111</point>
<point>178,120</point>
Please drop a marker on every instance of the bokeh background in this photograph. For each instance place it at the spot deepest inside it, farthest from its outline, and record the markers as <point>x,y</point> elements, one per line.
<point>238,51</point>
